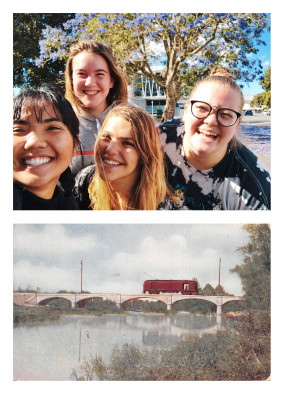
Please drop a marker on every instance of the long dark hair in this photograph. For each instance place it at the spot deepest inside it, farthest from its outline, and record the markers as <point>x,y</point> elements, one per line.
<point>35,99</point>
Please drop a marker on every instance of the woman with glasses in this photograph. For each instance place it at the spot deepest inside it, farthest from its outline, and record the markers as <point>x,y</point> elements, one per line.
<point>206,165</point>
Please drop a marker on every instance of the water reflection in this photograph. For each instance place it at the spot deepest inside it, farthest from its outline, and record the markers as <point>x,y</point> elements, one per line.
<point>49,351</point>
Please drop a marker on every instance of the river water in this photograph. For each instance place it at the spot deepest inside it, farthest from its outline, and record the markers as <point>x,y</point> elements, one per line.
<point>51,350</point>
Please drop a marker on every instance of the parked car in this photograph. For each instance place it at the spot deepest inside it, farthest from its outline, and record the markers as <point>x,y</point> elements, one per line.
<point>248,112</point>
<point>266,112</point>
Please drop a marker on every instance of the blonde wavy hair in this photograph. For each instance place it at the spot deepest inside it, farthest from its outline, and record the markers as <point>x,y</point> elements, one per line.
<point>151,188</point>
<point>117,94</point>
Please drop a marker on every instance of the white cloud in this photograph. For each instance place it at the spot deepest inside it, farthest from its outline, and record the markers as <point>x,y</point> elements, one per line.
<point>120,259</point>
<point>54,240</point>
<point>47,277</point>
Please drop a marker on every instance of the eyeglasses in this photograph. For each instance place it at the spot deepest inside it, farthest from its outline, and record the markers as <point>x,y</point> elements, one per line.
<point>225,116</point>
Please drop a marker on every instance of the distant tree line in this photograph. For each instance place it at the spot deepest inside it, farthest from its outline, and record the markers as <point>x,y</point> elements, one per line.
<point>263,100</point>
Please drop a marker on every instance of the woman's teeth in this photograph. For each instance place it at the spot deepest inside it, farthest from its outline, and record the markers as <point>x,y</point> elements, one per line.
<point>208,133</point>
<point>110,162</point>
<point>36,161</point>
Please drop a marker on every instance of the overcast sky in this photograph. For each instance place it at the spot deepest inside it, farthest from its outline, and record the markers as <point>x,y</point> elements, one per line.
<point>117,258</point>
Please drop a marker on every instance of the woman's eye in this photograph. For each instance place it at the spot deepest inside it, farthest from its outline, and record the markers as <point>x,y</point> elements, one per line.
<point>105,137</point>
<point>18,130</point>
<point>202,109</point>
<point>54,128</point>
<point>226,115</point>
<point>126,143</point>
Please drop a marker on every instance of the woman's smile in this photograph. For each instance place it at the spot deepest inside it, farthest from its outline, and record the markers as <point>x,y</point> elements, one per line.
<point>206,141</point>
<point>112,163</point>
<point>120,159</point>
<point>42,151</point>
<point>91,80</point>
<point>208,134</point>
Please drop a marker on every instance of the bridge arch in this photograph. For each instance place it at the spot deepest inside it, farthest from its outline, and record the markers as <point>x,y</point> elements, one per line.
<point>194,301</point>
<point>84,301</point>
<point>48,300</point>
<point>141,297</point>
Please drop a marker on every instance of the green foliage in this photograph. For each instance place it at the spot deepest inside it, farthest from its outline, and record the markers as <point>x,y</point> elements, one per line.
<point>28,289</point>
<point>267,100</point>
<point>93,369</point>
<point>146,306</point>
<point>264,99</point>
<point>60,304</point>
<point>258,100</point>
<point>208,290</point>
<point>27,32</point>
<point>33,314</point>
<point>255,269</point>
<point>194,306</point>
<point>266,82</point>
<point>124,361</point>
<point>187,43</point>
<point>101,305</point>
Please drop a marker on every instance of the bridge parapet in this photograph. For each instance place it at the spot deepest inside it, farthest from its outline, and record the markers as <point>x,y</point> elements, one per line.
<point>167,298</point>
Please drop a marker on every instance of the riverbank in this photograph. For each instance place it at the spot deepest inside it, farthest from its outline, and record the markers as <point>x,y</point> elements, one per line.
<point>30,315</point>
<point>239,353</point>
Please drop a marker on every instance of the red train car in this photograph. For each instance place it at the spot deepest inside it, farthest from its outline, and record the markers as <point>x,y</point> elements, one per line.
<point>170,286</point>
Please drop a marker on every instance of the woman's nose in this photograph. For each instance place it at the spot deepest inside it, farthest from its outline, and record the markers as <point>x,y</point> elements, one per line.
<point>112,147</point>
<point>212,118</point>
<point>35,140</point>
<point>89,81</point>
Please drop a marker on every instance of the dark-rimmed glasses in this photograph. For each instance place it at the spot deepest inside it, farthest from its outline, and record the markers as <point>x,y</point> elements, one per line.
<point>225,116</point>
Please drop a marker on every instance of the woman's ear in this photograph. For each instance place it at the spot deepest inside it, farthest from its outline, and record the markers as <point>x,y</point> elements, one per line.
<point>111,84</point>
<point>185,111</point>
<point>75,146</point>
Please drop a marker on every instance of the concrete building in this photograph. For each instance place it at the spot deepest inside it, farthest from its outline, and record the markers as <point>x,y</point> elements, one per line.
<point>146,94</point>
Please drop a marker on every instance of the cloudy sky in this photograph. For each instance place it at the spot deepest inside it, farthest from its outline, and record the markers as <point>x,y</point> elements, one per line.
<point>117,258</point>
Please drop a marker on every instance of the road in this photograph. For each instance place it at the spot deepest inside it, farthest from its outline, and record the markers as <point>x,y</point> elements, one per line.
<point>257,119</point>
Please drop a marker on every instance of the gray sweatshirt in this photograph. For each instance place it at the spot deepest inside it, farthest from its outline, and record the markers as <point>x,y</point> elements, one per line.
<point>90,126</point>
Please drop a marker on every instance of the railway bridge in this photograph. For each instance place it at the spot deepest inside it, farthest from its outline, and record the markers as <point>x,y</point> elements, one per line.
<point>80,299</point>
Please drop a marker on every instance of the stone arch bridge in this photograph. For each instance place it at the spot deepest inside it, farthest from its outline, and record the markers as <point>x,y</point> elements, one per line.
<point>80,299</point>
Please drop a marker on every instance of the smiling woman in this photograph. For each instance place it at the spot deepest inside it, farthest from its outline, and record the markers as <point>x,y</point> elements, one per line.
<point>206,165</point>
<point>45,134</point>
<point>129,169</point>
<point>94,85</point>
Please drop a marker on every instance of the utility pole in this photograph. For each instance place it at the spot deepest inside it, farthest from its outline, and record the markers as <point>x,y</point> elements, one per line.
<point>219,276</point>
<point>81,274</point>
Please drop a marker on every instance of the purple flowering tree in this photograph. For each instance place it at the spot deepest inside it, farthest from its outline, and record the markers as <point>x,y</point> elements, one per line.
<point>187,45</point>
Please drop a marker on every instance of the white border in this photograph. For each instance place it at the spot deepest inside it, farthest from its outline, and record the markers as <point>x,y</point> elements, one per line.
<point>167,390</point>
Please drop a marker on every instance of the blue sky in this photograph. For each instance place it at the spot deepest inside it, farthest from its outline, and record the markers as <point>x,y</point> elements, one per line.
<point>265,55</point>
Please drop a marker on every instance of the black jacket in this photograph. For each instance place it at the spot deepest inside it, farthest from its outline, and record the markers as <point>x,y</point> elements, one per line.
<point>25,200</point>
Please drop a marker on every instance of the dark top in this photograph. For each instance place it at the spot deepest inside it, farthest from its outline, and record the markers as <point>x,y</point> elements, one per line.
<point>25,200</point>
<point>240,181</point>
